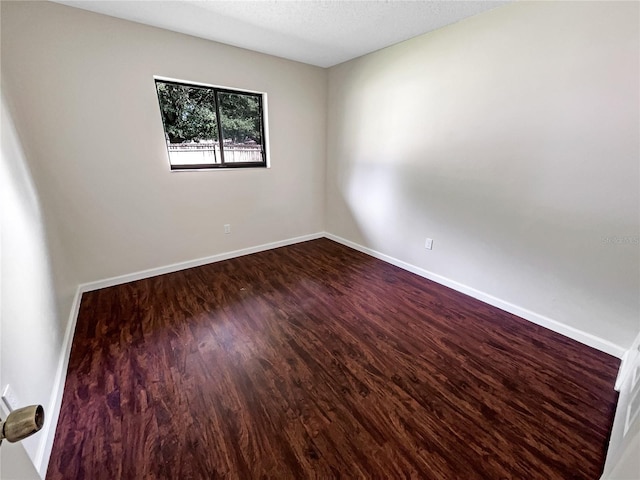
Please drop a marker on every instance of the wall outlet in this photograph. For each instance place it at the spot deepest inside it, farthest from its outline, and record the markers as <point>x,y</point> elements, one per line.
<point>227,228</point>
<point>428,243</point>
<point>9,399</point>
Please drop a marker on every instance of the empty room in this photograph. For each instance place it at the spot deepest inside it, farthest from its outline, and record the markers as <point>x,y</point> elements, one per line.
<point>320,239</point>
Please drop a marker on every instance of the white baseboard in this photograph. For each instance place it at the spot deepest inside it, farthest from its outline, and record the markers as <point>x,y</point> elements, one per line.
<point>53,412</point>
<point>554,325</point>
<point>175,267</point>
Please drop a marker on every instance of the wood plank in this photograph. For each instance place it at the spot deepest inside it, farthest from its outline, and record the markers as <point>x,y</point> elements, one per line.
<point>317,361</point>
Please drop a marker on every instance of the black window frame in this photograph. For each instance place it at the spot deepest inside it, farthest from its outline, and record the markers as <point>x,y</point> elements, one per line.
<point>222,165</point>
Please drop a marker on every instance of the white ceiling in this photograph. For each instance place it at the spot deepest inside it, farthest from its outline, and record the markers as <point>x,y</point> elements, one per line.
<point>318,32</point>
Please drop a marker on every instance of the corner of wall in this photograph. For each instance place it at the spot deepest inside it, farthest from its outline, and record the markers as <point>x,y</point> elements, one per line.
<point>326,149</point>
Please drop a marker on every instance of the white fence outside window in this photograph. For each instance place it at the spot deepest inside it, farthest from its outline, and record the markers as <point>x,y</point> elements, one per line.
<point>209,153</point>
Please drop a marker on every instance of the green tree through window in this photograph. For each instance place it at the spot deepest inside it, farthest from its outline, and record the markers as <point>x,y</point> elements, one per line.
<point>196,117</point>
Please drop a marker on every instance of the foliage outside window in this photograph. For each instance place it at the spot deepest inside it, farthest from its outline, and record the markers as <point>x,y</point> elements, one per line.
<point>197,117</point>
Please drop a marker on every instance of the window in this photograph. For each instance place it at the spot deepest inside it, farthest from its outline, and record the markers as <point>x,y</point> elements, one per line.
<point>211,127</point>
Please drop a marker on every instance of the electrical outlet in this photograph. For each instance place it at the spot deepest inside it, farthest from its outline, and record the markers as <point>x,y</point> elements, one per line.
<point>9,398</point>
<point>428,244</point>
<point>227,228</point>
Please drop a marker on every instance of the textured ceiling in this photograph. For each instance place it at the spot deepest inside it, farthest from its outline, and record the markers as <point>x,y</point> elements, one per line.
<point>318,32</point>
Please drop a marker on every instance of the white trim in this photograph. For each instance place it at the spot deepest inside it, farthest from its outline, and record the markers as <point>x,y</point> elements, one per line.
<point>554,325</point>
<point>53,412</point>
<point>174,267</point>
<point>628,359</point>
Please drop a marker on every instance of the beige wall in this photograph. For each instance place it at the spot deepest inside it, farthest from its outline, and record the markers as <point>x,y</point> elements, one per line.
<point>511,139</point>
<point>86,108</point>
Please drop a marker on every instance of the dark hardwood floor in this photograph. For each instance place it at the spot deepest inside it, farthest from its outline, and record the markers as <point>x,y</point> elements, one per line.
<point>317,361</point>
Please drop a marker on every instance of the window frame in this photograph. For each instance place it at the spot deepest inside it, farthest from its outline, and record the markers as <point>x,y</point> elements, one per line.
<point>262,102</point>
